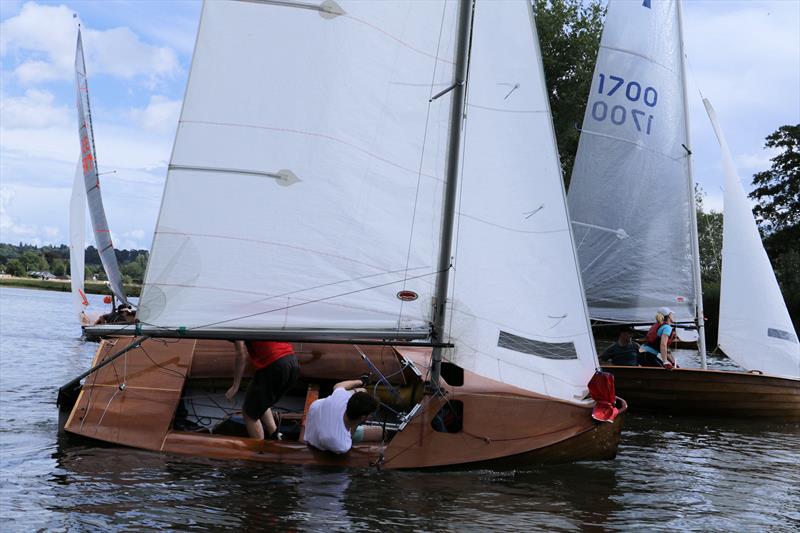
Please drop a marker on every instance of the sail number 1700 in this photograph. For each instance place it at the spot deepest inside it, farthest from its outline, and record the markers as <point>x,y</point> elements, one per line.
<point>619,114</point>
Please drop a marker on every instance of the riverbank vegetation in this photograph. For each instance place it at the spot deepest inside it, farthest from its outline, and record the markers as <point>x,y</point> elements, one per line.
<point>23,260</point>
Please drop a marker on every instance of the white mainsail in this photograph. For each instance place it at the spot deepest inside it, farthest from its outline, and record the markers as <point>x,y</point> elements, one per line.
<point>631,195</point>
<point>102,233</point>
<point>755,328</point>
<point>305,187</point>
<point>517,313</point>
<point>77,243</point>
<point>305,183</point>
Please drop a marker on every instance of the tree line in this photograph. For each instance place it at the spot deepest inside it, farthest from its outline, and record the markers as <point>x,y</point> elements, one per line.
<point>22,259</point>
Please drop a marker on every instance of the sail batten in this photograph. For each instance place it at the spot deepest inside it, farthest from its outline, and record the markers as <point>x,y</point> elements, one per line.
<point>632,171</point>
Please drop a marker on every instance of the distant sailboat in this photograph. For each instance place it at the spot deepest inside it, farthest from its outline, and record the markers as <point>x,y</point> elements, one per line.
<point>632,202</point>
<point>755,328</point>
<point>337,179</point>
<point>88,173</point>
<point>77,247</point>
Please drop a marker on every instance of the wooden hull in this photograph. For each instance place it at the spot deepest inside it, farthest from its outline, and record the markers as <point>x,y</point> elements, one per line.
<point>502,426</point>
<point>685,391</point>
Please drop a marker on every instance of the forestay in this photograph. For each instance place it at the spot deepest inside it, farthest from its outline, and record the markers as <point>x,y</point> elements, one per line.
<point>102,233</point>
<point>77,242</point>
<point>755,328</point>
<point>305,183</point>
<point>517,313</point>
<point>631,196</point>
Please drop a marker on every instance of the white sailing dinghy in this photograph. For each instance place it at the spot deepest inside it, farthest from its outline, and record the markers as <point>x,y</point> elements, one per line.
<point>631,198</point>
<point>87,187</point>
<point>337,183</point>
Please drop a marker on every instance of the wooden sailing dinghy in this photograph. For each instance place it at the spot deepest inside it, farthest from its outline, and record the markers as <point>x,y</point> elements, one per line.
<point>321,191</point>
<point>632,202</point>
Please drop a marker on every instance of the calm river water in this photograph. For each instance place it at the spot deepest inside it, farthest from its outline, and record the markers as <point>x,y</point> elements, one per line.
<point>670,474</point>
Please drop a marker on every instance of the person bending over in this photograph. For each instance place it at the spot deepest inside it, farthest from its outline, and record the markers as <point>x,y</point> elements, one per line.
<point>334,423</point>
<point>276,371</point>
<point>624,352</point>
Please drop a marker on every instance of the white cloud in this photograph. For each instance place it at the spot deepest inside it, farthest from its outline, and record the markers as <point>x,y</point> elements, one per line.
<point>12,230</point>
<point>48,34</point>
<point>34,110</point>
<point>160,115</point>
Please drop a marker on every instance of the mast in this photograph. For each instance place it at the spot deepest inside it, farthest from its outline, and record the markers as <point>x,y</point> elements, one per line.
<point>448,213</point>
<point>699,316</point>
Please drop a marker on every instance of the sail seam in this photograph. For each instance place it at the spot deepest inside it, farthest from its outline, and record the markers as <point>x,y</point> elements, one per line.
<point>527,111</point>
<point>635,143</point>
<point>321,9</point>
<point>646,58</point>
<point>320,136</point>
<point>269,243</point>
<point>516,230</point>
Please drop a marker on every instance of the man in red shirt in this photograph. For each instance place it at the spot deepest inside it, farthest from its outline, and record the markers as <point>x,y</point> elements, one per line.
<point>276,370</point>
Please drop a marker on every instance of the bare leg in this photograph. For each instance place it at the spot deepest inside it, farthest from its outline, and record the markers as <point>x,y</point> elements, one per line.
<point>372,434</point>
<point>254,428</point>
<point>269,422</point>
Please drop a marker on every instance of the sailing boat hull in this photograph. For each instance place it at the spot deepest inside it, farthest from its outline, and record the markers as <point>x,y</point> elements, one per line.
<point>684,391</point>
<point>135,401</point>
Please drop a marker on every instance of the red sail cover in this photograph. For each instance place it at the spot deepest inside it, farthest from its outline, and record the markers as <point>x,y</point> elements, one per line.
<point>601,387</point>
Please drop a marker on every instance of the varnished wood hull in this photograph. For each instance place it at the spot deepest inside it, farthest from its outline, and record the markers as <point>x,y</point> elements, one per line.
<point>503,427</point>
<point>684,391</point>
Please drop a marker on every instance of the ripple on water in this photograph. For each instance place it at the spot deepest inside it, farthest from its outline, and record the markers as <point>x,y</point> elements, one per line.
<point>671,473</point>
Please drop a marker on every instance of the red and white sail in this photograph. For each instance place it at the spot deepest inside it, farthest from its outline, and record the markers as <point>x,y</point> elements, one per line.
<point>88,166</point>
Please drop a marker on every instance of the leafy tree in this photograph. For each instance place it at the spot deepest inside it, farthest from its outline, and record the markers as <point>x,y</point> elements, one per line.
<point>33,261</point>
<point>15,268</point>
<point>134,271</point>
<point>778,189</point>
<point>709,235</point>
<point>569,36</point>
<point>58,267</point>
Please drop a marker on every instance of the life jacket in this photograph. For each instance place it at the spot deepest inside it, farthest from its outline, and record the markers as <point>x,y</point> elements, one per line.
<point>652,339</point>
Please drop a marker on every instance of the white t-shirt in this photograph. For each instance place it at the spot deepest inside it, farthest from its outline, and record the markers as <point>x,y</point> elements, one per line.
<point>325,427</point>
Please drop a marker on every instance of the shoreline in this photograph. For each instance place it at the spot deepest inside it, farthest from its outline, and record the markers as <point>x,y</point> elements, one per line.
<point>91,287</point>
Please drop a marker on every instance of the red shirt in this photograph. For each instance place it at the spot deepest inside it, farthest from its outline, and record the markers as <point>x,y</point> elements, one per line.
<point>264,353</point>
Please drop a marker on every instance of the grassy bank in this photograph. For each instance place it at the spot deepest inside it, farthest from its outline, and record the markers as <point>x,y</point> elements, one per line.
<point>91,287</point>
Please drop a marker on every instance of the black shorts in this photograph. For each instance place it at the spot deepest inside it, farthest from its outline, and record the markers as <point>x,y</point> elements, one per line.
<point>269,384</point>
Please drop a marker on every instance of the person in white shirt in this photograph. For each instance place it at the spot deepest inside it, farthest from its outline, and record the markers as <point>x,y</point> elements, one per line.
<point>334,423</point>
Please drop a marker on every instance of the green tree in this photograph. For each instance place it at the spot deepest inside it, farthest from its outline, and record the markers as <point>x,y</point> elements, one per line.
<point>33,261</point>
<point>134,271</point>
<point>15,268</point>
<point>709,236</point>
<point>569,36</point>
<point>58,267</point>
<point>777,190</point>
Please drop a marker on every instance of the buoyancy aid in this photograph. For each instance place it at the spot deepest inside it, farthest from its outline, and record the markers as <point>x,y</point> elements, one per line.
<point>652,339</point>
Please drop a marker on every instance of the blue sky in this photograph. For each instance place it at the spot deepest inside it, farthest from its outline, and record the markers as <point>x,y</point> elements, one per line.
<point>743,55</point>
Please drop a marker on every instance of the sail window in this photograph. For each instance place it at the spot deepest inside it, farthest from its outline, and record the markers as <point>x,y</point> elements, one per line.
<point>450,418</point>
<point>548,350</point>
<point>781,334</point>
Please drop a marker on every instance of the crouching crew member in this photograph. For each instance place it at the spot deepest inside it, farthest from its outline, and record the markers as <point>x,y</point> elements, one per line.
<point>334,423</point>
<point>276,371</point>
